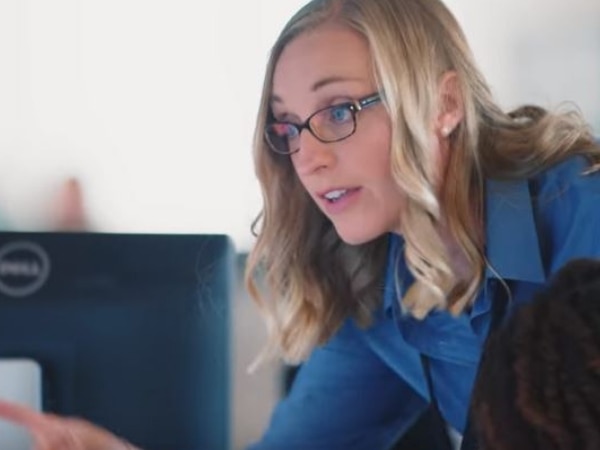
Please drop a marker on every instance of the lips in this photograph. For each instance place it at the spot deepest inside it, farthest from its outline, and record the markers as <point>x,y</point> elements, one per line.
<point>335,194</point>
<point>338,200</point>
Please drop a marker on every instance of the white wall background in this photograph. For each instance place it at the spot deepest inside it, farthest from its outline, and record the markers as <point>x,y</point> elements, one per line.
<point>151,103</point>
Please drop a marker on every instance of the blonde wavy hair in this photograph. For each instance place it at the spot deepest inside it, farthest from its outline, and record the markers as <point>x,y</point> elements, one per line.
<point>304,278</point>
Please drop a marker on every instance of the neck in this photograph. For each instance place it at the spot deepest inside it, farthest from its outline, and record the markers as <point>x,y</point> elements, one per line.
<point>456,255</point>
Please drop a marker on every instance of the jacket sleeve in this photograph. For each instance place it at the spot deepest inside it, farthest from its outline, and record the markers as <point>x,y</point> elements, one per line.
<point>343,398</point>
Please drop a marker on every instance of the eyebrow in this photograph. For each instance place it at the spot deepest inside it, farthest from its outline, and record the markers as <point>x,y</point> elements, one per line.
<point>322,83</point>
<point>330,80</point>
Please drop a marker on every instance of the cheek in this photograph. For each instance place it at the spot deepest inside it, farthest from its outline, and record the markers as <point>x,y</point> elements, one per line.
<point>295,172</point>
<point>376,163</point>
<point>375,154</point>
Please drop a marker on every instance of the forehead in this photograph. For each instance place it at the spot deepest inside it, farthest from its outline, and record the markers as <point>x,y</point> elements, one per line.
<point>328,52</point>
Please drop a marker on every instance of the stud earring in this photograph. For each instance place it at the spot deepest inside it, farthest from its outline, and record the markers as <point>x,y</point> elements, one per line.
<point>446,131</point>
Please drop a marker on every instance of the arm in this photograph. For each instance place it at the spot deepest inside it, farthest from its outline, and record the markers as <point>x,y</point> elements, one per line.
<point>344,397</point>
<point>50,432</point>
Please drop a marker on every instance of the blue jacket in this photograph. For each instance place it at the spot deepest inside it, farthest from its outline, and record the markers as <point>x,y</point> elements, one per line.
<point>365,388</point>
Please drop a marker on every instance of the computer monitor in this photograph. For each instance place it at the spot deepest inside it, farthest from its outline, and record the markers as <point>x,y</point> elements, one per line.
<point>131,331</point>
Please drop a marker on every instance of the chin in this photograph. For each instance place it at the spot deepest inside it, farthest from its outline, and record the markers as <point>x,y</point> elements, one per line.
<point>356,235</point>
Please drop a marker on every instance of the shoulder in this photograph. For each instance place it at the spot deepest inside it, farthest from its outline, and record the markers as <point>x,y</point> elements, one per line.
<point>570,174</point>
<point>348,339</point>
<point>566,202</point>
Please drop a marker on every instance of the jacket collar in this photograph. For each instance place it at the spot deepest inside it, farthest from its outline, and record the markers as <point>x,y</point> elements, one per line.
<point>512,247</point>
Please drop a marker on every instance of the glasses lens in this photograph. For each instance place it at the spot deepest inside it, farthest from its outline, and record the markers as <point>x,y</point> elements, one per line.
<point>334,123</point>
<point>281,137</point>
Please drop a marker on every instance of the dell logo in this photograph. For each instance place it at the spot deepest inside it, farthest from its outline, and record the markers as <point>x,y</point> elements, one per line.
<point>21,268</point>
<point>24,268</point>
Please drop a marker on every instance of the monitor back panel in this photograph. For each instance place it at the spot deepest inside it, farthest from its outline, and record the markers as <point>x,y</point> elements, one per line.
<point>130,331</point>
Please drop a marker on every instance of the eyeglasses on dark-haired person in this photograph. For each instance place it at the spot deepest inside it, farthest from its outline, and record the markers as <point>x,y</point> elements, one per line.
<point>331,124</point>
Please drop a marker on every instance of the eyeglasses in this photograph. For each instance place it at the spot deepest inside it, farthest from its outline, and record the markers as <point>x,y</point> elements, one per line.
<point>332,124</point>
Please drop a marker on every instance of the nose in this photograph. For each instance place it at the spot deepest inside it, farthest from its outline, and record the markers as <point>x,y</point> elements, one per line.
<point>313,155</point>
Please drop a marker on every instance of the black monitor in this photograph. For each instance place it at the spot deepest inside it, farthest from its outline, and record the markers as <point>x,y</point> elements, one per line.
<point>131,331</point>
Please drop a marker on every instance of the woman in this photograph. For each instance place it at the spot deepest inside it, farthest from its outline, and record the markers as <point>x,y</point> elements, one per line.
<point>411,171</point>
<point>401,205</point>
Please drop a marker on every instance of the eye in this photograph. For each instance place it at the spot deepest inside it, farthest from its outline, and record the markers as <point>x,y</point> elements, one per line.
<point>340,114</point>
<point>284,129</point>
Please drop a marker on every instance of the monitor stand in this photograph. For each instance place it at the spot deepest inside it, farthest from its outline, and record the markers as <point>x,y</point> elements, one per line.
<point>20,382</point>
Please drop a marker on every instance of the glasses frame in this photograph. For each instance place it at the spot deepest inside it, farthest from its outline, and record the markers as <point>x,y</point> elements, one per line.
<point>354,106</point>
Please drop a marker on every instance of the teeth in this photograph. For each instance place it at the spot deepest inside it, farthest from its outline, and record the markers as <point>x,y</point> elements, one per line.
<point>334,195</point>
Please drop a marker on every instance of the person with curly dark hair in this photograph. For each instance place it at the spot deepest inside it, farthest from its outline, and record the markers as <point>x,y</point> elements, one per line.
<point>539,381</point>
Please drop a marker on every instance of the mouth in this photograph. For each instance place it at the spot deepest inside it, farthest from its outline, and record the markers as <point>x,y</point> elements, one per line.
<point>335,195</point>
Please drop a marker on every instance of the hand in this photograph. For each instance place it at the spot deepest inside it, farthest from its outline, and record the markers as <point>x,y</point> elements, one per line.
<point>68,211</point>
<point>51,432</point>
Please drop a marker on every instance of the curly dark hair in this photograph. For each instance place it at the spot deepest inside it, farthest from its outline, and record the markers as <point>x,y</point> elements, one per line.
<point>538,385</point>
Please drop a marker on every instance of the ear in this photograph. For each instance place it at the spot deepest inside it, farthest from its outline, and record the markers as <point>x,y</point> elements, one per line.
<point>450,104</point>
